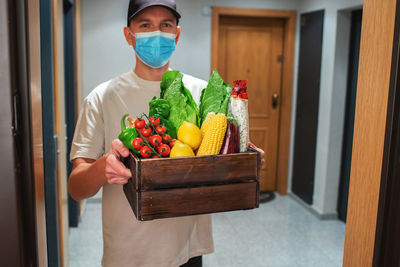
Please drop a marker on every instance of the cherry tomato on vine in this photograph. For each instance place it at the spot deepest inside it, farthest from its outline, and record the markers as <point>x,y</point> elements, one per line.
<point>155,121</point>
<point>172,143</point>
<point>137,143</point>
<point>155,140</point>
<point>145,152</point>
<point>163,150</point>
<point>161,130</point>
<point>166,138</point>
<point>155,157</point>
<point>146,131</point>
<point>140,123</point>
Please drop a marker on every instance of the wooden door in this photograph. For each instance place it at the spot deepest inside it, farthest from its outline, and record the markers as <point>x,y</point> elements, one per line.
<point>252,49</point>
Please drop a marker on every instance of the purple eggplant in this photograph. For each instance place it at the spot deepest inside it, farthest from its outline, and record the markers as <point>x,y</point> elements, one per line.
<point>231,142</point>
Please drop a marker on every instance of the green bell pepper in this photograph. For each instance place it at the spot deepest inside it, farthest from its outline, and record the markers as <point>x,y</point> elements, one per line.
<point>127,135</point>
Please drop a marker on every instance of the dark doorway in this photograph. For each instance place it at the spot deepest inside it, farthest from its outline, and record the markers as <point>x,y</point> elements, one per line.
<point>308,87</point>
<point>50,146</point>
<point>70,95</point>
<point>387,240</point>
<point>355,37</point>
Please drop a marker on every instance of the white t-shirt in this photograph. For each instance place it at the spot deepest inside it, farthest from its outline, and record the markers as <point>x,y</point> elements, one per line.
<point>127,241</point>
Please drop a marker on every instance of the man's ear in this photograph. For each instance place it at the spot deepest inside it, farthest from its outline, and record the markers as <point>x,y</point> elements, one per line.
<point>128,36</point>
<point>178,33</point>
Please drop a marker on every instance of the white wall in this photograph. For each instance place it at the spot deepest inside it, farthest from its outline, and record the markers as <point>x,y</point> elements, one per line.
<point>331,101</point>
<point>104,49</point>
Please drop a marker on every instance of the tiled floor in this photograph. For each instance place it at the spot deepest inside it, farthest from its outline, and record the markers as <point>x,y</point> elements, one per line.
<point>279,233</point>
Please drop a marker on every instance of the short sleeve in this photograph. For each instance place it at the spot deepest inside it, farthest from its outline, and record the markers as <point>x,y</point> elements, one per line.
<point>88,141</point>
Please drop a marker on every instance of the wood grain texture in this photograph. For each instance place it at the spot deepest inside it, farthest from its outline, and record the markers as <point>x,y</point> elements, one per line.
<point>369,130</point>
<point>35,85</point>
<point>250,12</point>
<point>182,172</point>
<point>172,187</point>
<point>289,17</point>
<point>133,197</point>
<point>258,63</point>
<point>286,103</point>
<point>198,200</point>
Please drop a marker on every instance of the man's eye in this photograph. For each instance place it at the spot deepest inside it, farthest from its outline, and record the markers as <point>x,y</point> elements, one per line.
<point>145,25</point>
<point>166,25</point>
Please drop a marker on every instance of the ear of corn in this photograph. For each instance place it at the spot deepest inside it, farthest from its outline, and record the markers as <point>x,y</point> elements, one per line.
<point>206,123</point>
<point>214,133</point>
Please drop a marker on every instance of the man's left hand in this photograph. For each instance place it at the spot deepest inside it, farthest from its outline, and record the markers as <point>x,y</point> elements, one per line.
<point>250,144</point>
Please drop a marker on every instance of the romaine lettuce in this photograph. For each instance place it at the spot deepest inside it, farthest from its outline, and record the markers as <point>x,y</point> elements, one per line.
<point>215,97</point>
<point>183,107</point>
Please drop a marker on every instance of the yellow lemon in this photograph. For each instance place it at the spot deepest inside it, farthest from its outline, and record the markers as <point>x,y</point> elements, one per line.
<point>181,150</point>
<point>190,134</point>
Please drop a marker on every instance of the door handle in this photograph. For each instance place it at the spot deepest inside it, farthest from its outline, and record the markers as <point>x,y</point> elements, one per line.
<point>275,98</point>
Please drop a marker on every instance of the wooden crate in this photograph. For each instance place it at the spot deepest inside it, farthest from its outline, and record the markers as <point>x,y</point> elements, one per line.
<point>173,187</point>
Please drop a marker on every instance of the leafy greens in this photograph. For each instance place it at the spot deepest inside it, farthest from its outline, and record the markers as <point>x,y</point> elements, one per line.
<point>182,105</point>
<point>215,97</point>
<point>160,108</point>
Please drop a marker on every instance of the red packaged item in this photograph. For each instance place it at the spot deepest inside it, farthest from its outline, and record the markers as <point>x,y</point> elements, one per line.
<point>239,108</point>
<point>240,89</point>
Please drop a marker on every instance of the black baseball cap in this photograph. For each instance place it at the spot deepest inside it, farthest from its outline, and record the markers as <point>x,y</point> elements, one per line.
<point>135,6</point>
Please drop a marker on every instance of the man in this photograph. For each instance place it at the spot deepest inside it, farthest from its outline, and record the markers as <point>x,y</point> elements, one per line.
<point>128,242</point>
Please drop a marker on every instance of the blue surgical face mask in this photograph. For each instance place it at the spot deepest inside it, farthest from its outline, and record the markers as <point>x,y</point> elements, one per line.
<point>155,48</point>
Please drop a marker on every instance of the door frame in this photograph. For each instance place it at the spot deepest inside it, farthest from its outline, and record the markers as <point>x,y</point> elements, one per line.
<point>289,18</point>
<point>387,238</point>
<point>370,133</point>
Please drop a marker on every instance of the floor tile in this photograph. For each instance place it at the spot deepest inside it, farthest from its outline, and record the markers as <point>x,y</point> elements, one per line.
<point>280,233</point>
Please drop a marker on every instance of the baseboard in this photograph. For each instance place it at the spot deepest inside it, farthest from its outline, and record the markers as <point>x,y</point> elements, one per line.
<point>316,213</point>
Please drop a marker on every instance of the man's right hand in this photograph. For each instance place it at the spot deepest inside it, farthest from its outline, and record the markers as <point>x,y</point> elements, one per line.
<point>116,172</point>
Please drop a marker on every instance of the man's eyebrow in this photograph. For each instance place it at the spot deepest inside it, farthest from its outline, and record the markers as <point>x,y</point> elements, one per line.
<point>139,20</point>
<point>169,20</point>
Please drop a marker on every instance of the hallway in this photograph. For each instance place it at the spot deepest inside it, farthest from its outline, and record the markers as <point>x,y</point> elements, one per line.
<point>278,234</point>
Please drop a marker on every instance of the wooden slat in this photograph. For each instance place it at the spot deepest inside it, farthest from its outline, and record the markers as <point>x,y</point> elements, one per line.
<point>133,163</point>
<point>132,196</point>
<point>369,130</point>
<point>199,200</point>
<point>183,172</point>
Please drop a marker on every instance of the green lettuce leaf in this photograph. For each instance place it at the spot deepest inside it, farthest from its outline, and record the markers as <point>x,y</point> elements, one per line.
<point>168,78</point>
<point>159,106</point>
<point>215,97</point>
<point>183,106</point>
<point>171,129</point>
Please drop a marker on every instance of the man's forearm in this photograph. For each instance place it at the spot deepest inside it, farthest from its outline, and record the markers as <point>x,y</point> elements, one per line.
<point>87,178</point>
